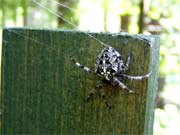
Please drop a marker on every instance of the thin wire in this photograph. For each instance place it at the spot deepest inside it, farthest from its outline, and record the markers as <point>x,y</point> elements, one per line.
<point>22,35</point>
<point>60,16</point>
<point>65,6</point>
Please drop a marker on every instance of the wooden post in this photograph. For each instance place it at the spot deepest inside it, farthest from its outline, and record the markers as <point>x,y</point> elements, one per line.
<point>43,92</point>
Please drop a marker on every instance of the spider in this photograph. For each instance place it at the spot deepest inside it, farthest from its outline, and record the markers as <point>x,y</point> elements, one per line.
<point>110,67</point>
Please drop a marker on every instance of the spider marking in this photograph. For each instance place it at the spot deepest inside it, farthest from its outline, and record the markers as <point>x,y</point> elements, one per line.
<point>110,67</point>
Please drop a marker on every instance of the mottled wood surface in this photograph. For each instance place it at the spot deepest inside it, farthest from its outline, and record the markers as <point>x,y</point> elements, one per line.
<point>43,92</point>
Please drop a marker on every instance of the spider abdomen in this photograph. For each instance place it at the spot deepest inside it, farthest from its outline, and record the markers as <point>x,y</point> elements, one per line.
<point>108,63</point>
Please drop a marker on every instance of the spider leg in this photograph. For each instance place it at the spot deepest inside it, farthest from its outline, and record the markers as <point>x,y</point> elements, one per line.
<point>91,94</point>
<point>97,86</point>
<point>122,85</point>
<point>81,66</point>
<point>125,67</point>
<point>128,62</point>
<point>135,77</point>
<point>104,98</point>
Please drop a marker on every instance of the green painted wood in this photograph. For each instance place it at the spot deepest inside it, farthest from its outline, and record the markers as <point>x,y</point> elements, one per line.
<point>43,92</point>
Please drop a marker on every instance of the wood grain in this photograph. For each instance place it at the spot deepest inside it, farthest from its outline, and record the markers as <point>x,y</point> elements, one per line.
<point>43,92</point>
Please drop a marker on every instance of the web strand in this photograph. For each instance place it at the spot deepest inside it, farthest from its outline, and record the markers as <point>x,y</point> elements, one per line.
<point>65,6</point>
<point>22,35</point>
<point>70,23</point>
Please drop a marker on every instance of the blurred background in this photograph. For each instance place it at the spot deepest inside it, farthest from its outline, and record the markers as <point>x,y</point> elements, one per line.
<point>159,17</point>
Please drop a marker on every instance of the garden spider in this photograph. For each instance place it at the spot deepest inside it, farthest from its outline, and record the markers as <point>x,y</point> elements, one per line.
<point>110,67</point>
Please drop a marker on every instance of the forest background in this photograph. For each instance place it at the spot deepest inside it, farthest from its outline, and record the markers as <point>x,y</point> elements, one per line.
<point>156,17</point>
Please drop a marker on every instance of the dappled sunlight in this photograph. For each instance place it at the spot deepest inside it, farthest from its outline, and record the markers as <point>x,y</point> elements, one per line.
<point>167,121</point>
<point>171,91</point>
<point>93,17</point>
<point>159,18</point>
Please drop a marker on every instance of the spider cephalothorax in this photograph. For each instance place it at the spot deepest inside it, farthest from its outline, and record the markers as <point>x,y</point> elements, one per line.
<point>110,67</point>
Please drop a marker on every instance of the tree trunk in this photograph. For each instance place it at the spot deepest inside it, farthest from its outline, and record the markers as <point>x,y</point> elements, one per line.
<point>141,17</point>
<point>125,21</point>
<point>66,13</point>
<point>15,6</point>
<point>3,12</point>
<point>25,9</point>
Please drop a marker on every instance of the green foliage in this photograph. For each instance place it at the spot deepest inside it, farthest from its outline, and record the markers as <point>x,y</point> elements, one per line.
<point>27,13</point>
<point>167,121</point>
<point>165,12</point>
